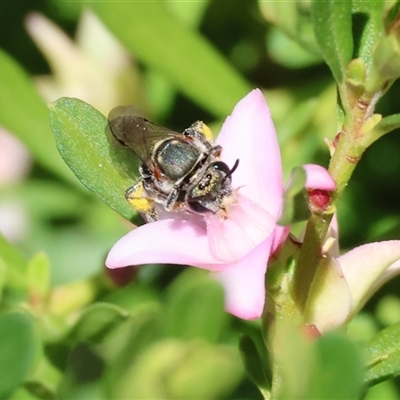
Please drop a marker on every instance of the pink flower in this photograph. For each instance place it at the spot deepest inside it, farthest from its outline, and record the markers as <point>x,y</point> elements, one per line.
<point>236,250</point>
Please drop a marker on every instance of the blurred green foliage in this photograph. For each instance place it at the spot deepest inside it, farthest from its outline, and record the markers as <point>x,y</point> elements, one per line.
<point>160,331</point>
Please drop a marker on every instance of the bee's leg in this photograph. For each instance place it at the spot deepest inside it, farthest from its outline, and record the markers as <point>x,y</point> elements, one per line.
<point>216,151</point>
<point>171,200</point>
<point>138,199</point>
<point>200,131</point>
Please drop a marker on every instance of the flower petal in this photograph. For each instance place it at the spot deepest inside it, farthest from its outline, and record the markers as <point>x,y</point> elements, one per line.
<point>244,283</point>
<point>246,227</point>
<point>249,135</point>
<point>369,266</point>
<point>329,302</point>
<point>318,178</point>
<point>15,160</point>
<point>333,234</point>
<point>167,241</point>
<point>391,272</point>
<point>280,235</point>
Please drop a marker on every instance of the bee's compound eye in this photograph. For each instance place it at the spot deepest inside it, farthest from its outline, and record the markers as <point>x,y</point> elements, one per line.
<point>197,207</point>
<point>221,166</point>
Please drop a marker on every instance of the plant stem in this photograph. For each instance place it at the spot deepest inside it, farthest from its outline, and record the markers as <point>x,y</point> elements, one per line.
<point>343,162</point>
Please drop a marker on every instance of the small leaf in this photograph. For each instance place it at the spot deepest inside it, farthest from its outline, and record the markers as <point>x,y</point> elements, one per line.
<point>356,71</point>
<point>392,17</point>
<point>43,381</point>
<point>3,275</point>
<point>125,346</point>
<point>293,19</point>
<point>386,125</point>
<point>81,374</point>
<point>288,52</point>
<point>333,30</point>
<point>327,368</point>
<point>293,358</point>
<point>386,63</point>
<point>95,322</point>
<point>383,126</point>
<point>20,346</point>
<point>195,307</point>
<point>190,12</point>
<point>173,369</point>
<point>388,310</point>
<point>24,113</point>
<point>383,355</point>
<point>255,365</point>
<point>81,138</point>
<point>295,205</point>
<point>339,370</point>
<point>15,263</point>
<point>166,44</point>
<point>370,123</point>
<point>38,276</point>
<point>367,27</point>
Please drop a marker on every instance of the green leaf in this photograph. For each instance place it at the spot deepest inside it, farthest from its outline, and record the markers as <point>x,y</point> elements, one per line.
<point>288,52</point>
<point>20,348</point>
<point>293,19</point>
<point>385,125</point>
<point>327,368</point>
<point>81,378</point>
<point>43,381</point>
<point>367,27</point>
<point>80,132</point>
<point>333,30</point>
<point>3,275</point>
<point>96,322</point>
<point>173,369</point>
<point>255,365</point>
<point>24,394</point>
<point>388,310</point>
<point>166,44</point>
<point>134,297</point>
<point>38,276</point>
<point>339,370</point>
<point>392,17</point>
<point>16,265</point>
<point>356,73</point>
<point>24,113</point>
<point>386,62</point>
<point>384,391</point>
<point>295,205</point>
<point>191,12</point>
<point>123,348</point>
<point>385,48</point>
<point>195,307</point>
<point>383,355</point>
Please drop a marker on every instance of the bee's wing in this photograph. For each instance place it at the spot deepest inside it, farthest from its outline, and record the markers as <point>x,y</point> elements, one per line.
<point>136,132</point>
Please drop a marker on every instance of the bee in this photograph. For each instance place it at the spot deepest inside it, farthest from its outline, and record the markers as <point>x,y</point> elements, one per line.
<point>182,172</point>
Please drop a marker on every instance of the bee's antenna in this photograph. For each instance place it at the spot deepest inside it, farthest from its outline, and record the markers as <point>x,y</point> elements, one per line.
<point>232,170</point>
